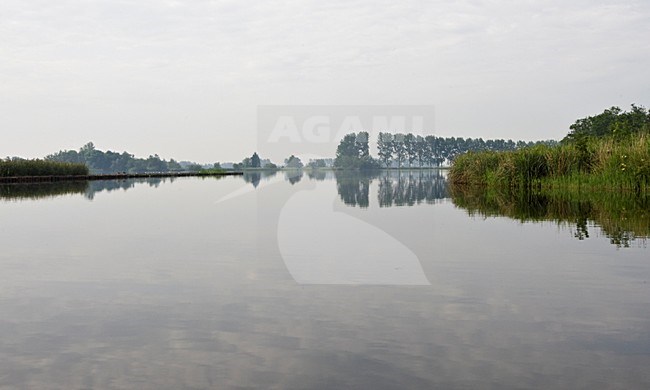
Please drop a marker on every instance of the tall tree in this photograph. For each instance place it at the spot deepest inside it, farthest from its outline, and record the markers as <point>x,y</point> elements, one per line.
<point>353,152</point>
<point>421,149</point>
<point>361,142</point>
<point>255,161</point>
<point>410,147</point>
<point>399,149</point>
<point>385,148</point>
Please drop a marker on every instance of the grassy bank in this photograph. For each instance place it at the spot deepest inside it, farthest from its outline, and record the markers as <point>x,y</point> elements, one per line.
<point>20,167</point>
<point>596,163</point>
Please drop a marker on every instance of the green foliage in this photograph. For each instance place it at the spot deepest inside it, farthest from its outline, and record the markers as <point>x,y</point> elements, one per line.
<point>270,166</point>
<point>194,168</point>
<point>430,151</point>
<point>210,172</point>
<point>293,162</point>
<point>19,167</point>
<point>112,162</point>
<point>587,162</point>
<point>255,161</point>
<point>317,164</point>
<point>385,148</point>
<point>353,152</point>
<point>611,122</point>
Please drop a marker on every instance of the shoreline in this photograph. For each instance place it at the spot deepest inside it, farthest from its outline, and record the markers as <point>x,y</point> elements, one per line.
<point>114,176</point>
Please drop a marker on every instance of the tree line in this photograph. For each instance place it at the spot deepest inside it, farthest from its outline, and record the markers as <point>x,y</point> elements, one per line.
<point>409,150</point>
<point>255,162</point>
<point>611,122</point>
<point>100,162</point>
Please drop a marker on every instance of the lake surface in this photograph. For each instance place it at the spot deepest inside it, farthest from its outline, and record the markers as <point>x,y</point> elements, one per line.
<point>321,281</point>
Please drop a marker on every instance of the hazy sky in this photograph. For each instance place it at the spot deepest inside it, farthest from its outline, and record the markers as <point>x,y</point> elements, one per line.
<point>184,78</point>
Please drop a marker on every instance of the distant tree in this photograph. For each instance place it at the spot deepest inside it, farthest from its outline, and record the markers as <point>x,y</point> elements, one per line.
<point>420,149</point>
<point>353,152</point>
<point>255,161</point>
<point>317,164</point>
<point>385,148</point>
<point>399,148</point>
<point>216,165</point>
<point>270,166</point>
<point>348,146</point>
<point>409,148</point>
<point>361,143</point>
<point>293,162</point>
<point>111,162</point>
<point>174,166</point>
<point>155,164</point>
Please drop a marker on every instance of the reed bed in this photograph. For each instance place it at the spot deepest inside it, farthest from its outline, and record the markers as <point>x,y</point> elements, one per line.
<point>19,167</point>
<point>589,163</point>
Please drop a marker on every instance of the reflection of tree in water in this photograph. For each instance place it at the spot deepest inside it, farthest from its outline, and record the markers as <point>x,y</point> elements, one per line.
<point>17,192</point>
<point>87,188</point>
<point>97,186</point>
<point>293,176</point>
<point>317,174</point>
<point>622,217</point>
<point>255,177</point>
<point>395,187</point>
<point>407,188</point>
<point>354,187</point>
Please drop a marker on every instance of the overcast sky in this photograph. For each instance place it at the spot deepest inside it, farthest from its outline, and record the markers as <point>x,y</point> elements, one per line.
<point>183,79</point>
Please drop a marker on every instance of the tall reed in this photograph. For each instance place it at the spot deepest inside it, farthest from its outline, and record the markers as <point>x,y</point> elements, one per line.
<point>603,163</point>
<point>19,167</point>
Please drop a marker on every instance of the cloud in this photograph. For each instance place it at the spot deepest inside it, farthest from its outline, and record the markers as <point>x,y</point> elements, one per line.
<point>141,56</point>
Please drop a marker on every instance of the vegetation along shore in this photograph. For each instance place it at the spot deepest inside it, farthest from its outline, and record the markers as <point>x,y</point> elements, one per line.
<point>607,151</point>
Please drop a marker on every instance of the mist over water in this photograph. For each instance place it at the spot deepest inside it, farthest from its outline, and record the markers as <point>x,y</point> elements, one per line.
<point>320,280</point>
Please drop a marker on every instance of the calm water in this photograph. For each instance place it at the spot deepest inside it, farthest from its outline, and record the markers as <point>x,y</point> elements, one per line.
<point>322,281</point>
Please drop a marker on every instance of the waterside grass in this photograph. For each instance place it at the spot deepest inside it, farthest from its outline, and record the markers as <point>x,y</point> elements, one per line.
<point>598,164</point>
<point>19,167</point>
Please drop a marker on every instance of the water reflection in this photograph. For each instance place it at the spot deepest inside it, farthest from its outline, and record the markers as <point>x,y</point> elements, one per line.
<point>622,217</point>
<point>255,177</point>
<point>34,191</point>
<point>173,290</point>
<point>354,187</point>
<point>395,187</point>
<point>293,176</point>
<point>16,192</point>
<point>407,188</point>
